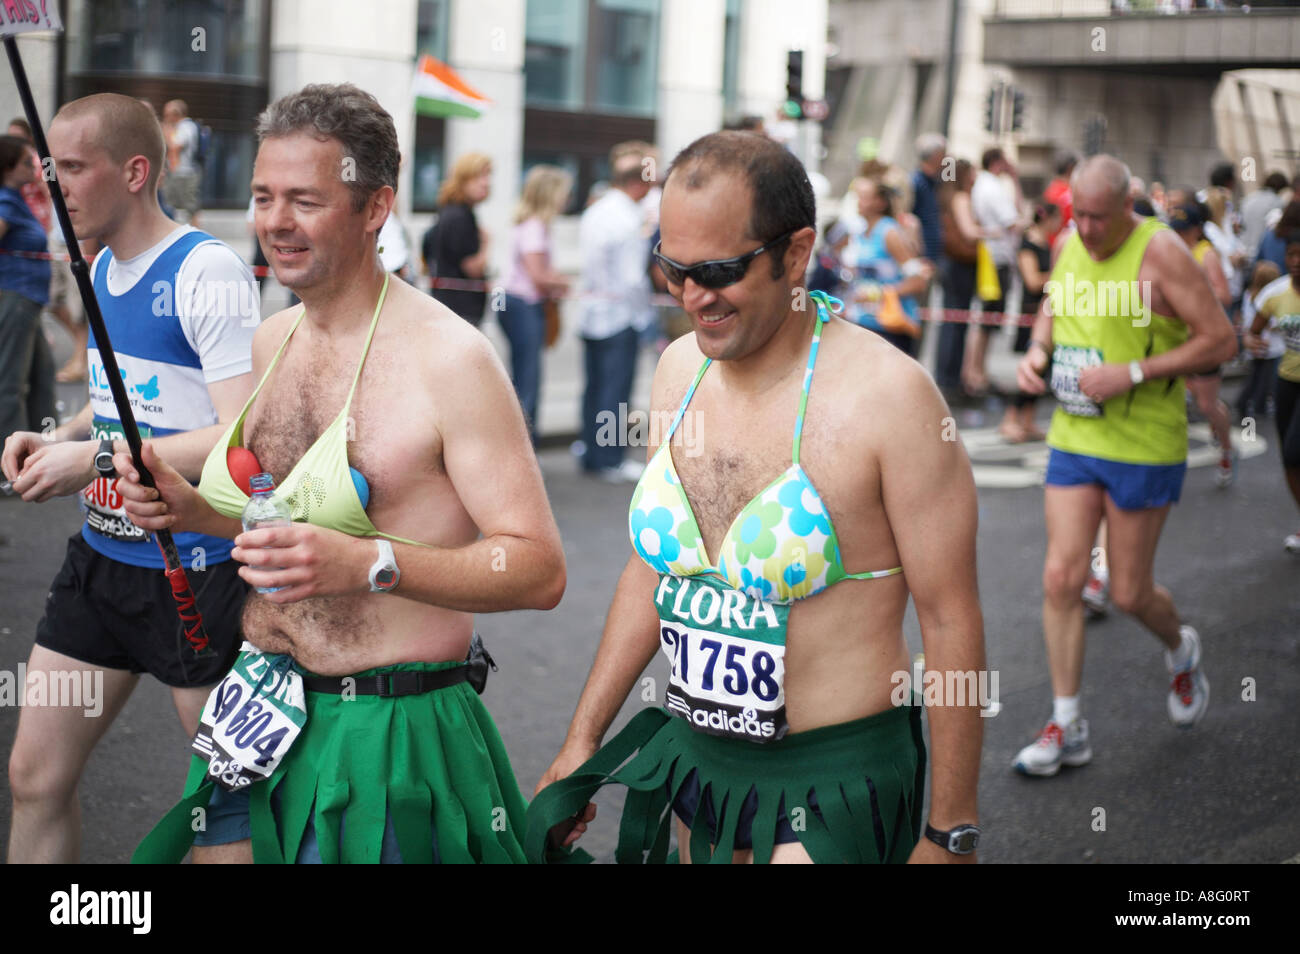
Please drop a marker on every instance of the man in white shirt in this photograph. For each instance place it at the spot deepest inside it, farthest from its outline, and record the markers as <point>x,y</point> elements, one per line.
<point>999,212</point>
<point>180,309</point>
<point>1255,209</point>
<point>615,288</point>
<point>997,209</point>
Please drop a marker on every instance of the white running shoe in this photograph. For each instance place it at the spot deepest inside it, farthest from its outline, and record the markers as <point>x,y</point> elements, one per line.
<point>1096,594</point>
<point>1055,747</point>
<point>632,469</point>
<point>628,472</point>
<point>1226,471</point>
<point>1292,543</point>
<point>1189,695</point>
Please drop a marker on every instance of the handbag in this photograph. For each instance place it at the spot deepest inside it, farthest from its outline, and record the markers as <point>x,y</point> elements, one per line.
<point>987,285</point>
<point>956,246</point>
<point>551,312</point>
<point>891,316</point>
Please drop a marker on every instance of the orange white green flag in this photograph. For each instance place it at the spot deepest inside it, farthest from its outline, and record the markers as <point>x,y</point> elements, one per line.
<point>439,91</point>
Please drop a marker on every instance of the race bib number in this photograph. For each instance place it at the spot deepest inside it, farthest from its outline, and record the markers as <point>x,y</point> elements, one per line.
<point>251,719</point>
<point>726,651</point>
<point>1067,362</point>
<point>103,504</point>
<point>1289,327</point>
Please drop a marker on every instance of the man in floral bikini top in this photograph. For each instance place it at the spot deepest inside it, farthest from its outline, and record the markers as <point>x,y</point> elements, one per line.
<point>773,562</point>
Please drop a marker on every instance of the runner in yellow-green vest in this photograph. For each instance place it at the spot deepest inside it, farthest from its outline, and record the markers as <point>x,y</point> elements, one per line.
<point>1127,313</point>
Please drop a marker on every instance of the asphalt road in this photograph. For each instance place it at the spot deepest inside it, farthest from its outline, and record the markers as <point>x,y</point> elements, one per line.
<point>1222,792</point>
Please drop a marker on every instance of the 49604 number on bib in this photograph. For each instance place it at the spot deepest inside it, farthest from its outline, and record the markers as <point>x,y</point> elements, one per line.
<point>251,719</point>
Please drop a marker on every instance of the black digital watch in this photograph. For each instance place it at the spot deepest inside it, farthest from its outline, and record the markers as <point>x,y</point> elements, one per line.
<point>961,840</point>
<point>104,459</point>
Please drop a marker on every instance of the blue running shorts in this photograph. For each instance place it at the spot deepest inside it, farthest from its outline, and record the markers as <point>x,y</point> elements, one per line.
<point>1131,486</point>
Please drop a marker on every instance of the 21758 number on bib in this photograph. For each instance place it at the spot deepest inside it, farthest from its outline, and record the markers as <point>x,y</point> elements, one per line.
<point>727,657</point>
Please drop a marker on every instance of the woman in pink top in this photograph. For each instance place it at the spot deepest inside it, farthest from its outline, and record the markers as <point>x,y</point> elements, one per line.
<point>531,280</point>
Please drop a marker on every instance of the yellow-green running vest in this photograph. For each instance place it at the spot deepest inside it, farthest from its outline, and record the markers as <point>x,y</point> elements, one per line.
<point>1100,318</point>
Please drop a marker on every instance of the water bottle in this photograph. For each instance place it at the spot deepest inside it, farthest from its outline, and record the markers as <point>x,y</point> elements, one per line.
<point>264,509</point>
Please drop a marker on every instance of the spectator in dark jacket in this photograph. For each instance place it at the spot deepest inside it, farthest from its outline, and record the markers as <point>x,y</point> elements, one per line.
<point>26,367</point>
<point>456,249</point>
<point>930,150</point>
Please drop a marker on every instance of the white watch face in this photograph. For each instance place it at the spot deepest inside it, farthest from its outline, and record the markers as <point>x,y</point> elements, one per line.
<point>963,841</point>
<point>384,573</point>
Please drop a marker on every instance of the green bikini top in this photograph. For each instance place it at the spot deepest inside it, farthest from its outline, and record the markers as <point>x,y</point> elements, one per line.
<point>780,548</point>
<point>320,489</point>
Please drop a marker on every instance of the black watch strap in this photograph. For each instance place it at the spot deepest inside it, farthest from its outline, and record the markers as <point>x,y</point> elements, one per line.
<point>962,840</point>
<point>104,465</point>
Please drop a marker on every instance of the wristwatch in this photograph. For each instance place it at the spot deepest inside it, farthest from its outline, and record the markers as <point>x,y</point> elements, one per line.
<point>1135,373</point>
<point>384,573</point>
<point>104,459</point>
<point>961,840</point>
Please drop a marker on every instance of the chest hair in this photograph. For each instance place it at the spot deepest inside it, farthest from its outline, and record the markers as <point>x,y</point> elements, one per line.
<point>294,410</point>
<point>721,481</point>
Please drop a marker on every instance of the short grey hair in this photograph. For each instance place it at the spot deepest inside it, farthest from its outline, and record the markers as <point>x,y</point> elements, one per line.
<point>1105,169</point>
<point>350,115</point>
<point>927,144</point>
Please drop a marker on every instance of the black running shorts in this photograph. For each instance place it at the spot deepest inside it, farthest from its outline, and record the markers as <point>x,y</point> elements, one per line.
<point>117,616</point>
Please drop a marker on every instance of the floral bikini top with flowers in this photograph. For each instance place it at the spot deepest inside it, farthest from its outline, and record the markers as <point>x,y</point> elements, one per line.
<point>723,625</point>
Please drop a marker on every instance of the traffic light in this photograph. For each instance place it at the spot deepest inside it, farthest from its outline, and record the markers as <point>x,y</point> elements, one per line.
<point>1017,111</point>
<point>794,84</point>
<point>990,110</point>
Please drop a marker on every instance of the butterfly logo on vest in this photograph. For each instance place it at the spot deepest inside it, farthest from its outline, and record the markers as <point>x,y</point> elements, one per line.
<point>309,492</point>
<point>148,390</point>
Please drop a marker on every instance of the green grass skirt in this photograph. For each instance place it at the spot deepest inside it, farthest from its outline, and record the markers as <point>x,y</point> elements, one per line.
<point>434,760</point>
<point>868,777</point>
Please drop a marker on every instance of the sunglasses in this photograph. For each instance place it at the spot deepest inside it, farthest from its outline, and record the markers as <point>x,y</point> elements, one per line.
<point>718,273</point>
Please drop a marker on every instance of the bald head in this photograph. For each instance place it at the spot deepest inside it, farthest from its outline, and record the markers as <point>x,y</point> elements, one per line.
<point>1104,175</point>
<point>124,128</point>
<point>1103,207</point>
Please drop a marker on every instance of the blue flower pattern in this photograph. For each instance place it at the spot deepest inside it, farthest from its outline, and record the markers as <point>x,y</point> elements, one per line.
<point>755,586</point>
<point>657,526</point>
<point>803,521</point>
<point>660,505</point>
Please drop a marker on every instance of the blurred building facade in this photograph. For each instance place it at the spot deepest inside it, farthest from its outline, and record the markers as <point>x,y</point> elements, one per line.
<point>567,78</point>
<point>1169,87</point>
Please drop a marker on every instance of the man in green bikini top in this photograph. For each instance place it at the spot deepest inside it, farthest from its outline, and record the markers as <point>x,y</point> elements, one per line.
<point>890,476</point>
<point>370,374</point>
